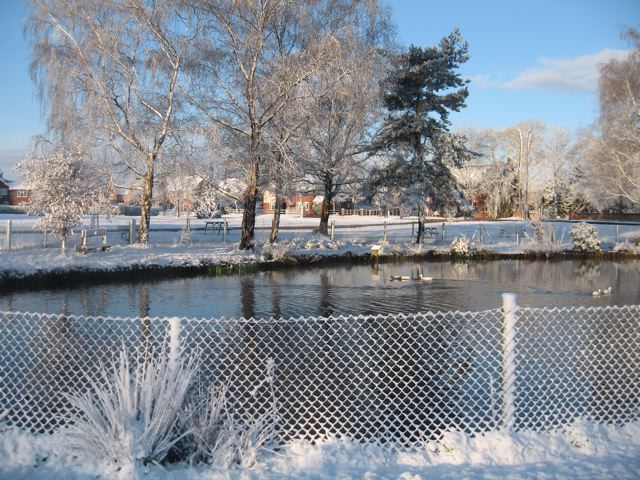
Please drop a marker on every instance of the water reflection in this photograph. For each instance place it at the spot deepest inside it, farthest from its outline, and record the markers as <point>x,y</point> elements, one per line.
<point>358,289</point>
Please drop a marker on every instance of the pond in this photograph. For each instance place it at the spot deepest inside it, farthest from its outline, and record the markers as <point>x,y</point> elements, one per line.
<point>348,289</point>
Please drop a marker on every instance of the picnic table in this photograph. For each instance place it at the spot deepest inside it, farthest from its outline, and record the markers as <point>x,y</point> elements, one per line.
<point>431,232</point>
<point>217,226</point>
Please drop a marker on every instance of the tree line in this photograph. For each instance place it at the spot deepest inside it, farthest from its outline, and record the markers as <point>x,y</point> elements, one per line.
<point>285,95</point>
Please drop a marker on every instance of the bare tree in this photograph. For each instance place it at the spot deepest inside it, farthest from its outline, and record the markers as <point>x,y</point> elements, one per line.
<point>111,67</point>
<point>259,52</point>
<point>341,109</point>
<point>523,142</point>
<point>615,148</point>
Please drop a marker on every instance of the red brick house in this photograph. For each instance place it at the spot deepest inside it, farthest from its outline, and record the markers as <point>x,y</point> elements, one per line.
<point>291,204</point>
<point>4,190</point>
<point>19,195</point>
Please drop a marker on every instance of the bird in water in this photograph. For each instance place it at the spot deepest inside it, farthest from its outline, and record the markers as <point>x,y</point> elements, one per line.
<point>400,277</point>
<point>600,292</point>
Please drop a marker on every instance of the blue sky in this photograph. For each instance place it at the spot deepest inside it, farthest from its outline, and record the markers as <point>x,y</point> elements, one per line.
<point>529,60</point>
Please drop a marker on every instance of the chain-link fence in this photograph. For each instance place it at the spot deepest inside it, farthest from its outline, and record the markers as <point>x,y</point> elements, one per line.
<point>384,378</point>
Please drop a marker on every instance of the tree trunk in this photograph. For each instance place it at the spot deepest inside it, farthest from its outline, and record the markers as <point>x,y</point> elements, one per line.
<point>249,214</point>
<point>145,205</point>
<point>275,223</point>
<point>420,233</point>
<point>326,206</point>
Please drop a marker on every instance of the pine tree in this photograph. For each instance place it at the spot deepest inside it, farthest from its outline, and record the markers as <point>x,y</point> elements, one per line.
<point>419,94</point>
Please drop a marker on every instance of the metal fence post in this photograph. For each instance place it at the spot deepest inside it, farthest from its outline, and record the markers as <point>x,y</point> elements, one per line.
<point>8,234</point>
<point>517,234</point>
<point>413,229</point>
<point>509,310</point>
<point>333,226</point>
<point>442,230</point>
<point>174,342</point>
<point>132,231</point>
<point>385,232</point>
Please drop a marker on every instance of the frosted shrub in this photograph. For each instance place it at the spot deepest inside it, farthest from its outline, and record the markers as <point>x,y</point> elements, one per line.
<point>280,250</point>
<point>461,246</point>
<point>322,243</point>
<point>64,187</point>
<point>222,436</point>
<point>585,237</point>
<point>130,414</point>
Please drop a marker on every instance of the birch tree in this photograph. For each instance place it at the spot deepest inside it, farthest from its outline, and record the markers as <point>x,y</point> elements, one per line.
<point>615,149</point>
<point>342,108</point>
<point>259,52</point>
<point>111,67</point>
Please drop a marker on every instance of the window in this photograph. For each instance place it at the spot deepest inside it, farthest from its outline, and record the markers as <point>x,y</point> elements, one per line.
<point>306,206</point>
<point>4,192</point>
<point>22,193</point>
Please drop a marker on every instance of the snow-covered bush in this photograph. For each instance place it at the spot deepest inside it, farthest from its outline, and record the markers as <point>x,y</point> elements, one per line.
<point>322,242</point>
<point>205,201</point>
<point>461,246</point>
<point>585,237</point>
<point>131,413</point>
<point>281,249</point>
<point>220,435</point>
<point>64,186</point>
<point>628,248</point>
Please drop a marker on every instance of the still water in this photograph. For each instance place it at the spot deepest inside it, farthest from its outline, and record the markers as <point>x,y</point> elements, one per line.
<point>355,289</point>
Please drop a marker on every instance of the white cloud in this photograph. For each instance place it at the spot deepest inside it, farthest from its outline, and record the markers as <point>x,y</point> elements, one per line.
<point>565,74</point>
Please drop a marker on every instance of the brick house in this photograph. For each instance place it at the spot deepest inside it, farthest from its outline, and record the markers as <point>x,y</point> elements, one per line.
<point>4,190</point>
<point>19,194</point>
<point>291,204</point>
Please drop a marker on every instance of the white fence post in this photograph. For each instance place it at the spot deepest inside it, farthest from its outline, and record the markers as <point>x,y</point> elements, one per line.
<point>224,232</point>
<point>385,232</point>
<point>509,309</point>
<point>174,342</point>
<point>333,227</point>
<point>8,234</point>
<point>132,231</point>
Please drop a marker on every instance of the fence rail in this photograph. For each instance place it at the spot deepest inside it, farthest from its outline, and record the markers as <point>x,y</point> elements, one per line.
<point>553,235</point>
<point>380,378</point>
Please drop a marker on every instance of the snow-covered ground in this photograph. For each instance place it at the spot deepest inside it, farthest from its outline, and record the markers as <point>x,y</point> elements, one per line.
<point>581,451</point>
<point>354,235</point>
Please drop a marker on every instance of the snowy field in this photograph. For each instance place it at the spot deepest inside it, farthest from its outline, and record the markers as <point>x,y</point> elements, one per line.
<point>582,451</point>
<point>169,245</point>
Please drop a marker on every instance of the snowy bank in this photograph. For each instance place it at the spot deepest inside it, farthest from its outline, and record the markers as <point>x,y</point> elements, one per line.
<point>26,267</point>
<point>582,450</point>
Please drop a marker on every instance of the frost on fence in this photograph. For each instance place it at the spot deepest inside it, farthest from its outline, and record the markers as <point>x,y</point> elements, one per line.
<point>395,378</point>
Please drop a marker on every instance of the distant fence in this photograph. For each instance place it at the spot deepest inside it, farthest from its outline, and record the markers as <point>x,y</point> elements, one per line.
<point>378,378</point>
<point>555,234</point>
